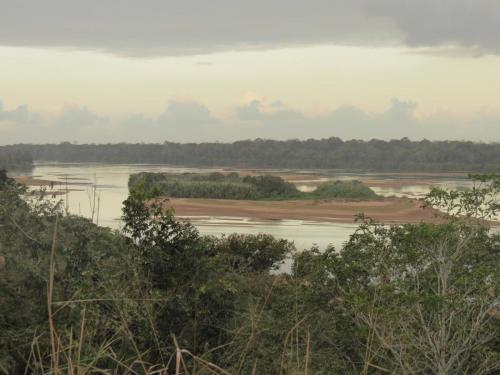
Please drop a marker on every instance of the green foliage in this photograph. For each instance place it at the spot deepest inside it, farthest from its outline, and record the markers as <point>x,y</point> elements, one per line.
<point>214,185</point>
<point>426,295</point>
<point>329,153</point>
<point>232,186</point>
<point>131,294</point>
<point>403,299</point>
<point>200,278</point>
<point>482,201</point>
<point>84,271</point>
<point>343,189</point>
<point>253,253</point>
<point>272,186</point>
<point>15,159</point>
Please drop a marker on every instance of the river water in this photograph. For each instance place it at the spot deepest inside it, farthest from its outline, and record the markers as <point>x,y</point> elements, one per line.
<point>111,186</point>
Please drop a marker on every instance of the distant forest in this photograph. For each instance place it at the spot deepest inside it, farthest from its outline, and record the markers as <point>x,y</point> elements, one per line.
<point>331,153</point>
<point>14,159</point>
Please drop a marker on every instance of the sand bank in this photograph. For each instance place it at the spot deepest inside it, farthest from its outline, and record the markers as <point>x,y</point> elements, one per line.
<point>390,210</point>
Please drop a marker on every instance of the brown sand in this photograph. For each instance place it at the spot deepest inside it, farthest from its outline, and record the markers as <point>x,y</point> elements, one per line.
<point>34,181</point>
<point>390,210</point>
<point>30,181</point>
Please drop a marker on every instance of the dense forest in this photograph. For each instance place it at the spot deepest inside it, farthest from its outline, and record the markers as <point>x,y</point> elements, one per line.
<point>15,159</point>
<point>233,186</point>
<point>331,153</point>
<point>160,298</point>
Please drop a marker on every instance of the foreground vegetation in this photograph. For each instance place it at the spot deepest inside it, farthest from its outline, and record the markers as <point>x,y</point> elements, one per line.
<point>331,153</point>
<point>160,298</point>
<point>233,186</point>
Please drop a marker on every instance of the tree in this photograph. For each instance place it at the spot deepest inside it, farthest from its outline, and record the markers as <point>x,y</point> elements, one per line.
<point>481,202</point>
<point>198,280</point>
<point>426,295</point>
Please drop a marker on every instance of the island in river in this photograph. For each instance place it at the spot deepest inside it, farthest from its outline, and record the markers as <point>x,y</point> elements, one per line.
<point>271,197</point>
<point>112,183</point>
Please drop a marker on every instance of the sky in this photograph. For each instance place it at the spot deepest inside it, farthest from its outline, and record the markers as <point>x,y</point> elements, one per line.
<point>99,71</point>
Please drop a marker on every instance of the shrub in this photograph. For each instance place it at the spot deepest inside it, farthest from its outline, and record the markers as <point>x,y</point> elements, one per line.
<point>343,189</point>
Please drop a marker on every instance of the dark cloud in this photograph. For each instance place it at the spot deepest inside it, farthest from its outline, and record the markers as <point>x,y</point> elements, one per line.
<point>474,24</point>
<point>171,27</point>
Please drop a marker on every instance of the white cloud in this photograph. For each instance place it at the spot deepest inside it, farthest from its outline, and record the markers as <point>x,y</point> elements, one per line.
<point>255,111</point>
<point>190,121</point>
<point>70,123</point>
<point>18,115</point>
<point>182,120</point>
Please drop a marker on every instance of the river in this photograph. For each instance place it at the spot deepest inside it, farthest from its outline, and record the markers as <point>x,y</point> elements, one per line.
<point>111,182</point>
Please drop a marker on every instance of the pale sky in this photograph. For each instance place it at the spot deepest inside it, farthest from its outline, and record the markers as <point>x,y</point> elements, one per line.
<point>221,70</point>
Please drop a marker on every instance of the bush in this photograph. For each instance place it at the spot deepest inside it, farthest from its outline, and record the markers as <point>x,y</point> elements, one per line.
<point>213,185</point>
<point>232,186</point>
<point>343,189</point>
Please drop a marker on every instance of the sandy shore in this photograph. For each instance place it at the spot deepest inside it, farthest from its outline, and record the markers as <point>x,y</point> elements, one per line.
<point>30,181</point>
<point>390,210</point>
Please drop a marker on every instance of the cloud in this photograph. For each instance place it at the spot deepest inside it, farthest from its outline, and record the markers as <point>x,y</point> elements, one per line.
<point>168,27</point>
<point>75,116</point>
<point>349,122</point>
<point>190,121</point>
<point>182,121</point>
<point>71,123</point>
<point>188,113</point>
<point>399,120</point>
<point>254,111</point>
<point>469,24</point>
<point>16,122</point>
<point>76,123</point>
<point>20,114</point>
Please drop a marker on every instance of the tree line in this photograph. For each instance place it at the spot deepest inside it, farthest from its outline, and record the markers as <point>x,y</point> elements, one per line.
<point>160,298</point>
<point>331,153</point>
<point>15,159</point>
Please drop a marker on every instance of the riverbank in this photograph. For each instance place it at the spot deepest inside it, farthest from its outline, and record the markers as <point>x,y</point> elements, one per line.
<point>31,181</point>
